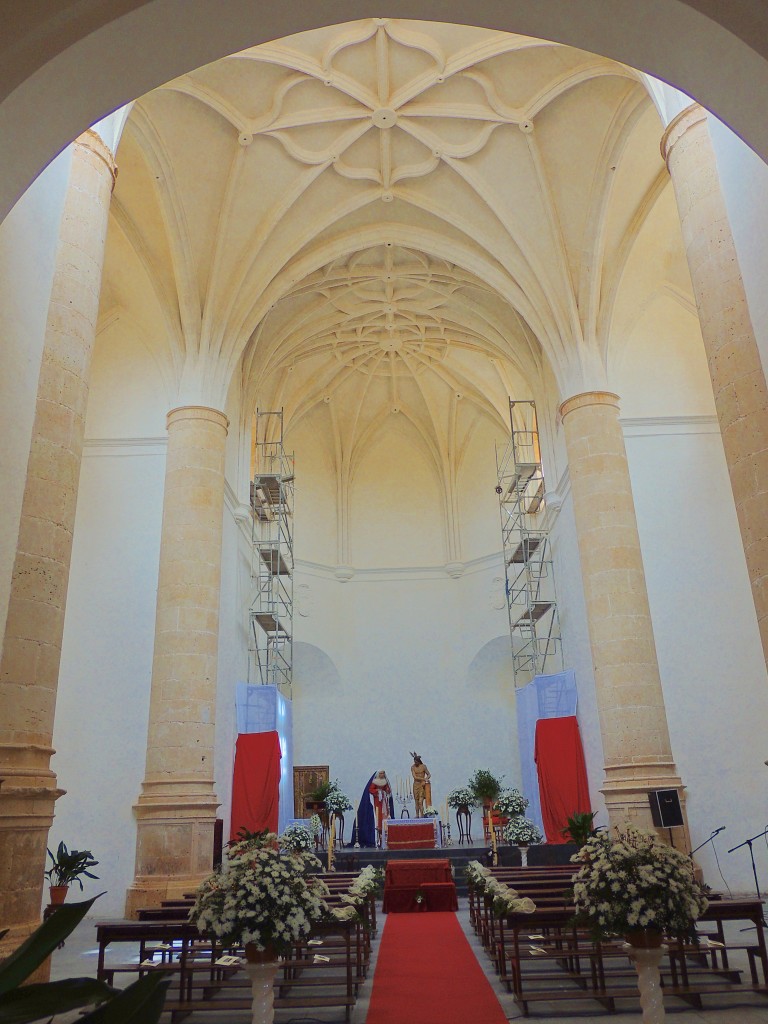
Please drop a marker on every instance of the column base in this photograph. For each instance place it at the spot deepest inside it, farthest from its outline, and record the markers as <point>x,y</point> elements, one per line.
<point>174,841</point>
<point>28,794</point>
<point>626,792</point>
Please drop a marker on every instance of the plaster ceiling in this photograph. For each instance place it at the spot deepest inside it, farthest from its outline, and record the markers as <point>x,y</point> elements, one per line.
<point>395,217</point>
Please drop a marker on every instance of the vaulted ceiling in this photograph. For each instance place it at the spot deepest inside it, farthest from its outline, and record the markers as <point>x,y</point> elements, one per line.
<point>391,217</point>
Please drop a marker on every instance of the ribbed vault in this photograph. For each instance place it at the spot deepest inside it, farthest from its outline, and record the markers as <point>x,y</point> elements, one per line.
<point>392,219</point>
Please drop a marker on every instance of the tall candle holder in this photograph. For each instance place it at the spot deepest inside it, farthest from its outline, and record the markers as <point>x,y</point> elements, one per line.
<point>405,800</point>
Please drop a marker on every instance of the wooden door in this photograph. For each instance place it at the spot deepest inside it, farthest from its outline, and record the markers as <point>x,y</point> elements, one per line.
<point>306,778</point>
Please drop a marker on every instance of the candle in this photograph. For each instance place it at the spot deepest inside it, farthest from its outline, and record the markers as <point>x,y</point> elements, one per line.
<point>331,839</point>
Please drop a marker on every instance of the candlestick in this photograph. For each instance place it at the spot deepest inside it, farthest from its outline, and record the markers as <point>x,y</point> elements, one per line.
<point>331,839</point>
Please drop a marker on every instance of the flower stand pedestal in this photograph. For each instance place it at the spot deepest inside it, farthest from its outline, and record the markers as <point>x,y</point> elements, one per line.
<point>261,968</point>
<point>646,959</point>
<point>523,848</point>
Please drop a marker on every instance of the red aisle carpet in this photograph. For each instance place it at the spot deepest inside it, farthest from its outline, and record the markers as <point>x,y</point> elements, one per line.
<point>426,973</point>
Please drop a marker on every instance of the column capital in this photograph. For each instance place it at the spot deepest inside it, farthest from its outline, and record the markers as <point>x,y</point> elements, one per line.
<point>586,398</point>
<point>693,115</point>
<point>93,143</point>
<point>197,412</point>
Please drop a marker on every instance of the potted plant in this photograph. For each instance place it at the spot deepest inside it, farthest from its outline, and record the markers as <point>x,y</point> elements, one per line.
<point>580,827</point>
<point>633,884</point>
<point>522,831</point>
<point>485,786</point>
<point>462,799</point>
<point>510,802</point>
<point>68,866</point>
<point>264,902</point>
<point>296,837</point>
<point>632,881</point>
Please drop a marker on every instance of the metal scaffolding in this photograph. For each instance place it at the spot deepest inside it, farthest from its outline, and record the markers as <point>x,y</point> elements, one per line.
<point>534,623</point>
<point>271,609</point>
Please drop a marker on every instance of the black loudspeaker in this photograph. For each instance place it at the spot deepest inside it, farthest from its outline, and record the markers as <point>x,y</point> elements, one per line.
<point>665,808</point>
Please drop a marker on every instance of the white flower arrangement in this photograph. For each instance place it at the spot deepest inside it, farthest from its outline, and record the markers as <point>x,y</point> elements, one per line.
<point>510,802</point>
<point>296,837</point>
<point>336,802</point>
<point>461,797</point>
<point>507,900</point>
<point>477,874</point>
<point>522,831</point>
<point>261,897</point>
<point>431,812</point>
<point>315,826</point>
<point>369,881</point>
<point>635,880</point>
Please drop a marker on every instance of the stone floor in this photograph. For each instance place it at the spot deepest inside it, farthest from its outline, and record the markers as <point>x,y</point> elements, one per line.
<point>79,956</point>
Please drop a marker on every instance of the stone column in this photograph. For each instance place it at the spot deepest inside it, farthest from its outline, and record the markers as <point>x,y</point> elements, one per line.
<point>31,652</point>
<point>738,379</point>
<point>633,720</point>
<point>177,806</point>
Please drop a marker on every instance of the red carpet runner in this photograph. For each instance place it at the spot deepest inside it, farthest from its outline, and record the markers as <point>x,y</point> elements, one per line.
<point>426,973</point>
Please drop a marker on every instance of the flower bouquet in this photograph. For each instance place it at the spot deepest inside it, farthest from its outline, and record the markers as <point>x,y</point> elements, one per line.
<point>462,797</point>
<point>635,881</point>
<point>431,812</point>
<point>296,837</point>
<point>261,898</point>
<point>510,802</point>
<point>337,802</point>
<point>522,831</point>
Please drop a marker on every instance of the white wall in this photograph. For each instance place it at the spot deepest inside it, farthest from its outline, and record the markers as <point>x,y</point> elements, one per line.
<point>391,662</point>
<point>28,242</point>
<point>100,735</point>
<point>711,661</point>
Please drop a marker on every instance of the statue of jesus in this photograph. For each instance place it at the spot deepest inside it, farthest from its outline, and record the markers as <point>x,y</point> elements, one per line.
<point>422,787</point>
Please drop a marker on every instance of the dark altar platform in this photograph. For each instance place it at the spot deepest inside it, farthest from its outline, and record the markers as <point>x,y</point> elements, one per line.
<point>349,859</point>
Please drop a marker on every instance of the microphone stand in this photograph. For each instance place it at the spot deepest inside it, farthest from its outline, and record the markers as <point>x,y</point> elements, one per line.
<point>715,833</point>
<point>748,842</point>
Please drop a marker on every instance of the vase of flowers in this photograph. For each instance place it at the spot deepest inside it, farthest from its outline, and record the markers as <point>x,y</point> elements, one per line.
<point>296,837</point>
<point>265,902</point>
<point>522,832</point>
<point>462,799</point>
<point>633,884</point>
<point>510,803</point>
<point>336,802</point>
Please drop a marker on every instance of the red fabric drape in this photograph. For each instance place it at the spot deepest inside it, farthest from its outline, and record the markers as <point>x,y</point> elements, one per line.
<point>256,782</point>
<point>562,774</point>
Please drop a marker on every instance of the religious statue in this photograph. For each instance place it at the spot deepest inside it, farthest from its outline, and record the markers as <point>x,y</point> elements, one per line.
<point>381,795</point>
<point>422,787</point>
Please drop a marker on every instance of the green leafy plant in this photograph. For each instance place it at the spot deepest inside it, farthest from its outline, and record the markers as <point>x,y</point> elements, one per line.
<point>319,793</point>
<point>139,1003</point>
<point>485,785</point>
<point>69,865</point>
<point>580,827</point>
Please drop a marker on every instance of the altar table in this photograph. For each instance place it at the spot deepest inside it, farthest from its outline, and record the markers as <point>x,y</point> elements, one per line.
<point>410,834</point>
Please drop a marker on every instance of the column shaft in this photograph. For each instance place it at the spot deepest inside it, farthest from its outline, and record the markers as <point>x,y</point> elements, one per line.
<point>177,806</point>
<point>633,721</point>
<point>31,652</point>
<point>738,379</point>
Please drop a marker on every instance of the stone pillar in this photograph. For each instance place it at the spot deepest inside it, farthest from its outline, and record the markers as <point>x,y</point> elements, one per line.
<point>738,379</point>
<point>31,652</point>
<point>633,720</point>
<point>176,810</point>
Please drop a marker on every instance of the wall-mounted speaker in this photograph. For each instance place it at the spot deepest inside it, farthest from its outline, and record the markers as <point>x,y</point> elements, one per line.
<point>665,808</point>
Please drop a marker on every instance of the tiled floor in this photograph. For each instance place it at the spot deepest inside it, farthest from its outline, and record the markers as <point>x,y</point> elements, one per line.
<point>78,958</point>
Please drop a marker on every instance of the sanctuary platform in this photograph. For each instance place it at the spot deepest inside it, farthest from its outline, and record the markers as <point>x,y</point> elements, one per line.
<point>349,859</point>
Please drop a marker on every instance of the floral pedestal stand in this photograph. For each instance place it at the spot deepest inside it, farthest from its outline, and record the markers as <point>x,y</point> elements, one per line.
<point>261,968</point>
<point>646,959</point>
<point>523,848</point>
